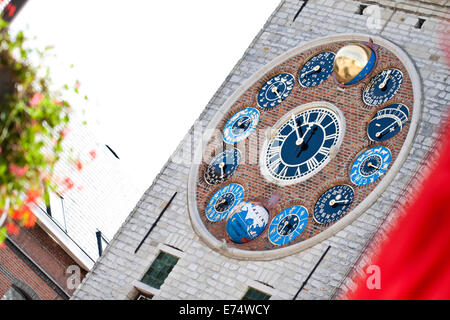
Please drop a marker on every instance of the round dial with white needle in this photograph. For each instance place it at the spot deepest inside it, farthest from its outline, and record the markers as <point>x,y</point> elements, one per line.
<point>288,225</point>
<point>222,166</point>
<point>241,125</point>
<point>223,201</point>
<point>317,69</point>
<point>333,204</point>
<point>388,122</point>
<point>370,165</point>
<point>382,87</point>
<point>275,90</point>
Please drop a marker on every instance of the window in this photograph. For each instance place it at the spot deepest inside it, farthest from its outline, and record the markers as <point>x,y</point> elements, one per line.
<point>253,294</point>
<point>159,270</point>
<point>419,23</point>
<point>55,208</point>
<point>361,9</point>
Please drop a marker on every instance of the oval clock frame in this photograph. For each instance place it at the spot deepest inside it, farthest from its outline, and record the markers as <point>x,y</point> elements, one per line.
<point>220,245</point>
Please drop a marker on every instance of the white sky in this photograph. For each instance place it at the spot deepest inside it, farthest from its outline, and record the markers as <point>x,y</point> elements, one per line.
<point>148,67</point>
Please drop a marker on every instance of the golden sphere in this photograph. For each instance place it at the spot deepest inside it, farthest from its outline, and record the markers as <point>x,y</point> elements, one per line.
<point>350,61</point>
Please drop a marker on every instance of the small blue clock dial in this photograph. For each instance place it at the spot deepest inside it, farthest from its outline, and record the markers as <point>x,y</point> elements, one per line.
<point>382,87</point>
<point>288,225</point>
<point>275,90</point>
<point>241,125</point>
<point>388,122</point>
<point>333,204</point>
<point>370,165</point>
<point>317,69</point>
<point>223,201</point>
<point>222,166</point>
<point>302,145</point>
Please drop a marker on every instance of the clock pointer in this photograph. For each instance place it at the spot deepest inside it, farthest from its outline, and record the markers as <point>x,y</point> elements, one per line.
<point>372,166</point>
<point>241,123</point>
<point>277,92</point>
<point>286,223</point>
<point>315,69</point>
<point>382,132</point>
<point>304,135</point>
<point>334,202</point>
<point>304,145</point>
<point>221,166</point>
<point>222,203</point>
<point>299,140</point>
<point>386,78</point>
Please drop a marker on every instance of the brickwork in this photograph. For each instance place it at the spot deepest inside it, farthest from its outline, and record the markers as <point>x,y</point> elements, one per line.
<point>36,259</point>
<point>203,273</point>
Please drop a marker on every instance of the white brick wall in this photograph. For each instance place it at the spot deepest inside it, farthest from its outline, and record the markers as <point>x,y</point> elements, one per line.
<point>205,274</point>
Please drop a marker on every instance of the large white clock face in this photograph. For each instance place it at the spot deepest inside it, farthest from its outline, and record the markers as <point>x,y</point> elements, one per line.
<point>303,143</point>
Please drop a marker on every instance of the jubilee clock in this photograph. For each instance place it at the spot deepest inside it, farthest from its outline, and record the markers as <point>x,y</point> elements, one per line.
<point>304,142</point>
<point>312,139</point>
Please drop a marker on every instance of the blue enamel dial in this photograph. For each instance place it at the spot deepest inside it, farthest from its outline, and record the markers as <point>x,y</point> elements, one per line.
<point>333,204</point>
<point>317,69</point>
<point>241,125</point>
<point>288,225</point>
<point>301,146</point>
<point>222,166</point>
<point>223,202</point>
<point>388,122</point>
<point>370,165</point>
<point>383,87</point>
<point>275,90</point>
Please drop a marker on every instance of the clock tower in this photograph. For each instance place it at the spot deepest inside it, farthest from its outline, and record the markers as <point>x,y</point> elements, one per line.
<point>297,163</point>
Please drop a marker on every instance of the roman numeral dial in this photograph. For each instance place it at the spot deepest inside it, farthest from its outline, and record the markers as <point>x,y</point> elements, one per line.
<point>302,146</point>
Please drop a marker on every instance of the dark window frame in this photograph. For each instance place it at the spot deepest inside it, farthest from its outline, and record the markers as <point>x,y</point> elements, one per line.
<point>254,294</point>
<point>160,269</point>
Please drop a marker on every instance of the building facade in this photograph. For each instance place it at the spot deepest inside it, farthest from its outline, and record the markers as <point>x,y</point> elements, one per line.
<point>170,247</point>
<point>94,195</point>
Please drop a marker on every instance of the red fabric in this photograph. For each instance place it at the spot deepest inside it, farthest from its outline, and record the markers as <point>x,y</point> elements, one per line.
<point>414,260</point>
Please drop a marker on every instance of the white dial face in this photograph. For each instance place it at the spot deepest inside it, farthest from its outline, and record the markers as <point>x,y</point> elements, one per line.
<point>302,145</point>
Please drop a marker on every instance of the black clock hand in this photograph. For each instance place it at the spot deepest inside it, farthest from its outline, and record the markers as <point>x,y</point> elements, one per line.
<point>304,145</point>
<point>340,203</point>
<point>299,126</point>
<point>223,203</point>
<point>372,166</point>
